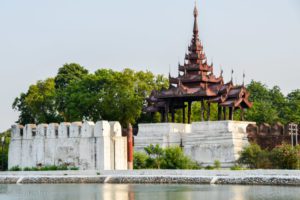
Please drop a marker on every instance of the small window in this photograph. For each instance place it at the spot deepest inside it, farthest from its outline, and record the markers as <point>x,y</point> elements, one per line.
<point>79,130</point>
<point>56,132</point>
<point>68,131</point>
<point>21,132</point>
<point>45,131</point>
<point>33,132</point>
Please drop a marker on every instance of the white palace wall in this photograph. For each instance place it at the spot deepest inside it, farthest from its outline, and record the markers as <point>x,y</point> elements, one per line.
<point>85,145</point>
<point>204,142</point>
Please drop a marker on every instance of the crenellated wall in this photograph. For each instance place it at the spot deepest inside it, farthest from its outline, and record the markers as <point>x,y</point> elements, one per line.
<point>204,142</point>
<point>269,136</point>
<point>85,145</point>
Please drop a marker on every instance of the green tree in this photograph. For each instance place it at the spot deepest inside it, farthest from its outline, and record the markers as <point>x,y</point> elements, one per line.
<point>293,110</point>
<point>25,116</point>
<point>269,105</point>
<point>66,75</point>
<point>4,159</point>
<point>69,73</point>
<point>38,105</point>
<point>109,95</point>
<point>262,112</point>
<point>258,91</point>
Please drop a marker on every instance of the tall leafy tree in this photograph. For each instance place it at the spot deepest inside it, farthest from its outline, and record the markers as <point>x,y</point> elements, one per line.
<point>66,75</point>
<point>270,105</point>
<point>25,116</point>
<point>69,73</point>
<point>38,105</point>
<point>109,95</point>
<point>293,110</point>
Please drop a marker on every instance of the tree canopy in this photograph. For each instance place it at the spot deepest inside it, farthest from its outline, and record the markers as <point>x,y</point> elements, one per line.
<point>271,105</point>
<point>74,94</point>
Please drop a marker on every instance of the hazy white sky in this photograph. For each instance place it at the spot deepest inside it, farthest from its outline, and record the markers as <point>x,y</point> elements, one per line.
<point>260,37</point>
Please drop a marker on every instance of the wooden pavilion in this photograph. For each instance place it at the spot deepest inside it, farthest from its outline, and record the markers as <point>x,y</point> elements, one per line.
<point>196,82</point>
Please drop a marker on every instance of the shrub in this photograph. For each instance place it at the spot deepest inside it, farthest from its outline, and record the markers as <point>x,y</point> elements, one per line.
<point>49,168</point>
<point>140,160</point>
<point>281,157</point>
<point>236,167</point>
<point>285,157</point>
<point>208,167</point>
<point>15,168</point>
<point>263,160</point>
<point>62,167</point>
<point>217,164</point>
<point>74,168</point>
<point>27,169</point>
<point>174,158</point>
<point>159,158</point>
<point>45,168</point>
<point>155,154</point>
<point>31,169</point>
<point>254,157</point>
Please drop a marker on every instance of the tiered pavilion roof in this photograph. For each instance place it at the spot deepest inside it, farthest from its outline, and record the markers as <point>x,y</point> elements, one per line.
<point>196,82</point>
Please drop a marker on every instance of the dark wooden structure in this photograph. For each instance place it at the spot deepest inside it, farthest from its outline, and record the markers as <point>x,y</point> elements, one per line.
<point>196,82</point>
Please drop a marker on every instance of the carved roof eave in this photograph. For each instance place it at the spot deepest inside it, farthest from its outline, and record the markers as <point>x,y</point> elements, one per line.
<point>237,103</point>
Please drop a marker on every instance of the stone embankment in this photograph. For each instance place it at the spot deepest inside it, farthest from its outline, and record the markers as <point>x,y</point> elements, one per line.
<point>247,177</point>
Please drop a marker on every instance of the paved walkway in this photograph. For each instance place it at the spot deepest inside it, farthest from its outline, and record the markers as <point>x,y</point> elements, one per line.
<point>245,177</point>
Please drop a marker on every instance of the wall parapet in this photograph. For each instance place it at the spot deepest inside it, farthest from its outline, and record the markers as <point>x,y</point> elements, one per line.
<point>78,144</point>
<point>85,129</point>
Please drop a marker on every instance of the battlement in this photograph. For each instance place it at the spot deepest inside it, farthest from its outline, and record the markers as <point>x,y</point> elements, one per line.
<point>86,145</point>
<point>85,129</point>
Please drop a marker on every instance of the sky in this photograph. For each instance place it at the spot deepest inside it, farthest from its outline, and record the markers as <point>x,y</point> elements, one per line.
<point>258,37</point>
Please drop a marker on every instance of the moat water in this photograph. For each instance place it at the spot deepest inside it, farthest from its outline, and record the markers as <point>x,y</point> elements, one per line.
<point>146,192</point>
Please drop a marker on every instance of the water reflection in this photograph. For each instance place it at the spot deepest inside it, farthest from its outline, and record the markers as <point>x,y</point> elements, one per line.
<point>145,192</point>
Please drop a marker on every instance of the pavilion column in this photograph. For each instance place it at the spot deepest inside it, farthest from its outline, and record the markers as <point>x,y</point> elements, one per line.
<point>183,113</point>
<point>224,113</point>
<point>166,111</point>
<point>230,113</point>
<point>173,114</point>
<point>152,116</point>
<point>202,110</point>
<point>242,114</point>
<point>189,111</point>
<point>219,112</point>
<point>162,116</point>
<point>208,111</point>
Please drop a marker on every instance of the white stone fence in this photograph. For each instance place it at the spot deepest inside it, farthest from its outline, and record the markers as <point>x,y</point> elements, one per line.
<point>86,145</point>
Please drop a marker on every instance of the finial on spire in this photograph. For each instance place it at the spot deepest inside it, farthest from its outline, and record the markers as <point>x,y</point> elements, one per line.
<point>196,9</point>
<point>244,75</point>
<point>232,75</point>
<point>221,71</point>
<point>195,21</point>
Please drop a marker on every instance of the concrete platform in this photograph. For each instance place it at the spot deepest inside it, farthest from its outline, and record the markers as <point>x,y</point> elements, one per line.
<point>246,177</point>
